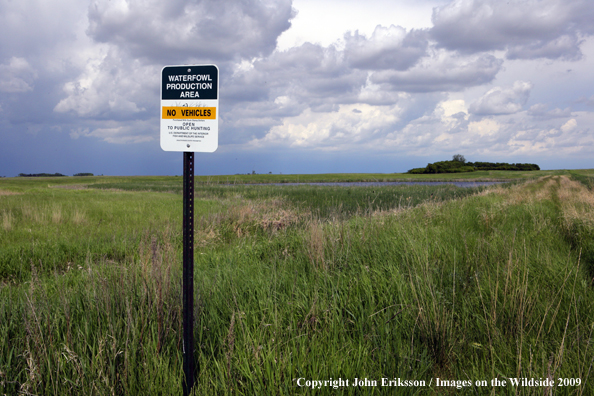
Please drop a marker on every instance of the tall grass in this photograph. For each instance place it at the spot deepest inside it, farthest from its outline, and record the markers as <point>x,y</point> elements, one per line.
<point>95,330</point>
<point>53,229</point>
<point>493,285</point>
<point>324,201</point>
<point>586,179</point>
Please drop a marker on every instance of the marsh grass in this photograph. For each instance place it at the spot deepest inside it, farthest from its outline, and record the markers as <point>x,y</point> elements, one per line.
<point>586,177</point>
<point>465,285</point>
<point>83,332</point>
<point>7,220</point>
<point>325,202</point>
<point>56,214</point>
<point>7,192</point>
<point>56,228</point>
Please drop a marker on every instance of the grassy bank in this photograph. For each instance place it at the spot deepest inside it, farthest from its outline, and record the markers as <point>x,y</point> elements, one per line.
<point>305,282</point>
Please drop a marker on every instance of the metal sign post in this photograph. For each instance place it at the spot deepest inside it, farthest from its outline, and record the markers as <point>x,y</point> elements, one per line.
<point>188,273</point>
<point>189,123</point>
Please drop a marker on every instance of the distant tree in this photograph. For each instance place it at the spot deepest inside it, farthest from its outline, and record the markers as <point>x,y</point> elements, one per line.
<point>40,174</point>
<point>459,158</point>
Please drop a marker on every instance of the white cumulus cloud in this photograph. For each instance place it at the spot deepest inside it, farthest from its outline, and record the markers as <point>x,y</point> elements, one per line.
<point>499,100</point>
<point>17,76</point>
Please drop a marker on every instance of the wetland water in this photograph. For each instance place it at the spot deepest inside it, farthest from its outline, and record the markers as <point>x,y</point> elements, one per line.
<point>384,184</point>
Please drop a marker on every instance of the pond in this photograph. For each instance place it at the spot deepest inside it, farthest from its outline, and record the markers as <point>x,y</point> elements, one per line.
<point>383,184</point>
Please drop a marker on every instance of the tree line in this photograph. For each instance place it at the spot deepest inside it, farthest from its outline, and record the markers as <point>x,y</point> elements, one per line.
<point>458,164</point>
<point>51,174</point>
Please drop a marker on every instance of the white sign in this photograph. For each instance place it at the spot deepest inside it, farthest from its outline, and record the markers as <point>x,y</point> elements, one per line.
<point>190,108</point>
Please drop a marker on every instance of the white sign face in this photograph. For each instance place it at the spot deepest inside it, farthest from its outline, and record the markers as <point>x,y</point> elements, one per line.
<point>190,108</point>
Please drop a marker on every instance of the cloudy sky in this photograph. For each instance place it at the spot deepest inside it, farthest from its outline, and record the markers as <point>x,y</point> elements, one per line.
<point>306,86</point>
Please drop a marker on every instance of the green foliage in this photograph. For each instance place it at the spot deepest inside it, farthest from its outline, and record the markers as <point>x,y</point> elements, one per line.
<point>504,166</point>
<point>453,166</point>
<point>459,165</point>
<point>83,174</point>
<point>417,171</point>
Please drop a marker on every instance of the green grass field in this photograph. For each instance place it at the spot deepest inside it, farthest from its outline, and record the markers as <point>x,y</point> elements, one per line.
<point>298,283</point>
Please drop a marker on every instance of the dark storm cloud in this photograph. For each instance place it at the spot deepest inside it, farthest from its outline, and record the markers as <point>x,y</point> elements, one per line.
<point>526,29</point>
<point>309,74</point>
<point>30,29</point>
<point>387,48</point>
<point>208,29</point>
<point>443,71</point>
<point>35,58</point>
<point>565,47</point>
<point>313,71</point>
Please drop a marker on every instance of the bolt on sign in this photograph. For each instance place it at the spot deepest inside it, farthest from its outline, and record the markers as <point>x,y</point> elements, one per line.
<point>189,108</point>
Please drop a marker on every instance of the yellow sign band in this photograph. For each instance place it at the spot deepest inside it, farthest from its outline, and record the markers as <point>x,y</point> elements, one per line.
<point>189,113</point>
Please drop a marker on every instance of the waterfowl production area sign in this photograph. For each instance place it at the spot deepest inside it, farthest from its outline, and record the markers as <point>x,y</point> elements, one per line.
<point>189,108</point>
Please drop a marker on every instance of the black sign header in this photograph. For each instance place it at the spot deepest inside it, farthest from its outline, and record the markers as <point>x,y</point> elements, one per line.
<point>190,82</point>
